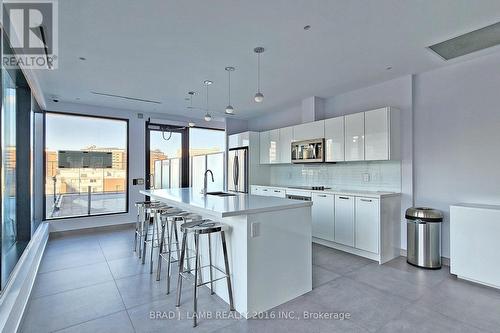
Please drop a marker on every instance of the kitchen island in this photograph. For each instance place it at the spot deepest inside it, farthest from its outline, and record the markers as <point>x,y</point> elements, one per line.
<point>269,245</point>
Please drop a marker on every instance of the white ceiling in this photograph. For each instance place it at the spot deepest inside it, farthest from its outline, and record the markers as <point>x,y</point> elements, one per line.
<point>159,50</point>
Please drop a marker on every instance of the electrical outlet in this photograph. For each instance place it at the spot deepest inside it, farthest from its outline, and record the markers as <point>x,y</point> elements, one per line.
<point>366,177</point>
<point>255,229</point>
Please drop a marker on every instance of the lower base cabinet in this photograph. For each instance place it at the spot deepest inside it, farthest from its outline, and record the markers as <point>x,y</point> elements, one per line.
<point>344,220</point>
<point>367,224</point>
<point>323,216</point>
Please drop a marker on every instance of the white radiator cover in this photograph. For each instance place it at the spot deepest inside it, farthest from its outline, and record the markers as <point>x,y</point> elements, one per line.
<point>474,243</point>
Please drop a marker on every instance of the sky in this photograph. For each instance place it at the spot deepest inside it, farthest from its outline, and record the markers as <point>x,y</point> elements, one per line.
<point>67,132</point>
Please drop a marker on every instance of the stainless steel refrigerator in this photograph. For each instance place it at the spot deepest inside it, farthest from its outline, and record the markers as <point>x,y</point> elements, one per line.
<point>237,170</point>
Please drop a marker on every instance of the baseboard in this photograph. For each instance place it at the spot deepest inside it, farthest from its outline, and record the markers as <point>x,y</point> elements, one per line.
<point>445,261</point>
<point>90,230</point>
<point>15,296</point>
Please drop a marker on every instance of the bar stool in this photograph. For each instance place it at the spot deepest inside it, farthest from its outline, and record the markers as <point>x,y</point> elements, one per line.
<point>204,227</point>
<point>141,217</point>
<point>153,238</point>
<point>169,226</point>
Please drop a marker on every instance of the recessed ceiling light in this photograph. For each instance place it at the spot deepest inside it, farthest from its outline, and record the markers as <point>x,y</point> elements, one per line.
<point>207,82</point>
<point>307,27</point>
<point>191,124</point>
<point>82,58</point>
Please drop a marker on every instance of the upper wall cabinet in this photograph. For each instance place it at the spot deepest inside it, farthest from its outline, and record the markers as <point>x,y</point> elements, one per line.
<point>365,136</point>
<point>309,131</point>
<point>355,137</point>
<point>239,140</point>
<point>382,134</point>
<point>334,140</point>
<point>274,140</point>
<point>265,144</point>
<point>285,145</point>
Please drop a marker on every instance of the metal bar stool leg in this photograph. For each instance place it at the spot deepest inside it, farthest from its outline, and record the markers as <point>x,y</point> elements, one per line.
<point>145,231</point>
<point>169,261</point>
<point>226,264</point>
<point>136,228</point>
<point>152,246</point>
<point>210,263</point>
<point>195,293</point>
<point>181,268</point>
<point>162,241</point>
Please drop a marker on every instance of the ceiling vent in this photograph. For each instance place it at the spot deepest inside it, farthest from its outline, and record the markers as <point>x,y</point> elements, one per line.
<point>468,43</point>
<point>125,97</point>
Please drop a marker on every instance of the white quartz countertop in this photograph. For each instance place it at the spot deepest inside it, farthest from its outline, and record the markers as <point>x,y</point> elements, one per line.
<point>240,204</point>
<point>356,193</point>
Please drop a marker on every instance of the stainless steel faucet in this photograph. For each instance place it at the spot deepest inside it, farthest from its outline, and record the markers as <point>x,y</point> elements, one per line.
<point>204,191</point>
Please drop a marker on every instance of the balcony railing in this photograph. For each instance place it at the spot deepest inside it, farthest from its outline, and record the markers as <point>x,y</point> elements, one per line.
<point>85,191</point>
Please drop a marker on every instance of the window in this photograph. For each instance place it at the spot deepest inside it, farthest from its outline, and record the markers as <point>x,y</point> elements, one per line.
<point>207,151</point>
<point>86,165</point>
<point>15,167</point>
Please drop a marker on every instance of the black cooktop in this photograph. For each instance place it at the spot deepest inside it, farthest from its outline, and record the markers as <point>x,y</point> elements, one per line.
<point>313,188</point>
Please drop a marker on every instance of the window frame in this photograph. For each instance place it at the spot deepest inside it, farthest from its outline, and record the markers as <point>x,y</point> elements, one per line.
<point>127,186</point>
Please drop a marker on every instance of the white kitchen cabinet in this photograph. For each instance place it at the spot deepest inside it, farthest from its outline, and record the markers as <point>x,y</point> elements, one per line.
<point>309,131</point>
<point>274,138</point>
<point>344,220</point>
<point>285,145</point>
<point>255,190</point>
<point>355,137</point>
<point>323,216</point>
<point>239,140</point>
<point>334,140</point>
<point>367,224</point>
<point>382,128</point>
<point>265,143</point>
<point>276,192</point>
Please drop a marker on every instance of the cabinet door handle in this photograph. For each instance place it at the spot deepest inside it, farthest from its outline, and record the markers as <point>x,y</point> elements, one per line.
<point>366,200</point>
<point>322,195</point>
<point>344,198</point>
<point>264,189</point>
<point>277,191</point>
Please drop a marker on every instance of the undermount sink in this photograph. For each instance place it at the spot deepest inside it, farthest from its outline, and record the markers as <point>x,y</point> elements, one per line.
<point>221,194</point>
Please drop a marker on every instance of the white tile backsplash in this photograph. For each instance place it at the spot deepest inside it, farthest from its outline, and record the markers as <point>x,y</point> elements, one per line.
<point>381,175</point>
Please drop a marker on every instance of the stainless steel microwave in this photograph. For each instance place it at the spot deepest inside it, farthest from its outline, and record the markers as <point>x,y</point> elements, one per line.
<point>309,151</point>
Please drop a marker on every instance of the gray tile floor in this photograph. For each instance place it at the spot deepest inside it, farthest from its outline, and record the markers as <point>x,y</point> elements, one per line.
<point>91,282</point>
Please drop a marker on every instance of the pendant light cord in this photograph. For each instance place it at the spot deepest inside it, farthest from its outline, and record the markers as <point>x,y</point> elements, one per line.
<point>229,87</point>
<point>258,72</point>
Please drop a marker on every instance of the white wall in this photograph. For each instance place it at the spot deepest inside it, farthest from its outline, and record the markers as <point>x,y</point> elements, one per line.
<point>137,153</point>
<point>457,131</point>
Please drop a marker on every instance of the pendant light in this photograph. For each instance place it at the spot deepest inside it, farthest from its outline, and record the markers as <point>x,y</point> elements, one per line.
<point>208,116</point>
<point>229,107</point>
<point>191,94</point>
<point>259,97</point>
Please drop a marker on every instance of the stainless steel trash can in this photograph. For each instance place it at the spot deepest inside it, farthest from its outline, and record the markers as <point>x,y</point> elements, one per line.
<point>423,229</point>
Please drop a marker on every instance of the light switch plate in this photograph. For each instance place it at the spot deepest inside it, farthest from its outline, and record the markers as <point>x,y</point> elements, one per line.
<point>255,229</point>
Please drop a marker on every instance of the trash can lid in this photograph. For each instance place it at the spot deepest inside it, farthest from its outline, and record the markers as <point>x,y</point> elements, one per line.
<point>424,214</point>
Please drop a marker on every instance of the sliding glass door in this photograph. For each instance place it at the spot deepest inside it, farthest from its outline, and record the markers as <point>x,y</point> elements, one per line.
<point>179,156</point>
<point>207,152</point>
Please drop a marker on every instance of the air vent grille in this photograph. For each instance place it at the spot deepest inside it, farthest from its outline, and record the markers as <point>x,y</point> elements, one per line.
<point>125,97</point>
<point>468,43</point>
